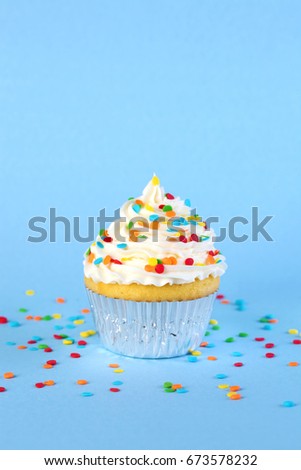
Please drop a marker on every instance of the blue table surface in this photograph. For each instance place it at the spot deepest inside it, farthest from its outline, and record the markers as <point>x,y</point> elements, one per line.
<point>95,98</point>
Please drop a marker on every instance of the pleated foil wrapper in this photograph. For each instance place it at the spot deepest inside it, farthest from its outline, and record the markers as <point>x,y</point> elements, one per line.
<point>150,329</point>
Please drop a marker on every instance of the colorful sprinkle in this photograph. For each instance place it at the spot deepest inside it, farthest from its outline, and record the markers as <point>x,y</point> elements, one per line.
<point>238,364</point>
<point>75,355</point>
<point>82,382</point>
<point>114,390</point>
<point>30,292</point>
<point>221,376</point>
<point>87,394</point>
<point>288,404</point>
<point>8,375</point>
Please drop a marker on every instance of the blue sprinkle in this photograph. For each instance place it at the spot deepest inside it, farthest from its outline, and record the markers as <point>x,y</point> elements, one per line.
<point>210,345</point>
<point>33,348</point>
<point>187,202</point>
<point>98,261</point>
<point>192,359</point>
<point>269,317</point>
<point>76,317</point>
<point>288,404</point>
<point>122,245</point>
<point>87,394</point>
<point>193,222</point>
<point>136,208</point>
<point>181,390</point>
<point>267,327</point>
<point>117,382</point>
<point>58,327</point>
<point>10,343</point>
<point>36,338</point>
<point>70,327</point>
<point>14,324</point>
<point>81,346</point>
<point>237,354</point>
<point>221,376</point>
<point>204,238</point>
<point>153,217</point>
<point>99,244</point>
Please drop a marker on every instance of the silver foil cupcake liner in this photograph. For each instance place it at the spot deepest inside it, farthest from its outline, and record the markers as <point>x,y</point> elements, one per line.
<point>150,329</point>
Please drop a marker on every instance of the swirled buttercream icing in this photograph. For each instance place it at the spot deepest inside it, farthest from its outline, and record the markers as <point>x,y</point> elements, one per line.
<point>156,241</point>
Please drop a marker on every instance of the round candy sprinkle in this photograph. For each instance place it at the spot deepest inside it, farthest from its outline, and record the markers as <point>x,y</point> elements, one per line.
<point>82,382</point>
<point>30,292</point>
<point>2,389</point>
<point>39,385</point>
<point>221,376</point>
<point>114,390</point>
<point>194,237</point>
<point>270,355</point>
<point>75,355</point>
<point>189,261</point>
<point>293,364</point>
<point>288,404</point>
<point>3,320</point>
<point>8,375</point>
<point>159,268</point>
<point>269,345</point>
<point>238,364</point>
<point>86,394</point>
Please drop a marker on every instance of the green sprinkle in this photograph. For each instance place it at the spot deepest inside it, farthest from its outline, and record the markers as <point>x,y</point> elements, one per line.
<point>88,252</point>
<point>101,232</point>
<point>43,346</point>
<point>216,327</point>
<point>207,333</point>
<point>142,236</point>
<point>167,208</point>
<point>130,225</point>
<point>230,340</point>
<point>63,336</point>
<point>47,318</point>
<point>169,390</point>
<point>243,335</point>
<point>23,310</point>
<point>159,261</point>
<point>167,384</point>
<point>130,198</point>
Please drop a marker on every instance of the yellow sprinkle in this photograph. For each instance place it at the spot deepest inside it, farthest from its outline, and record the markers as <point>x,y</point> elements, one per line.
<point>293,331</point>
<point>199,264</point>
<point>78,322</point>
<point>93,244</point>
<point>213,322</point>
<point>91,332</point>
<point>149,208</point>
<point>84,334</point>
<point>118,371</point>
<point>152,261</point>
<point>196,353</point>
<point>201,224</point>
<point>155,180</point>
<point>231,394</point>
<point>223,386</point>
<point>56,316</point>
<point>125,259</point>
<point>30,292</point>
<point>67,341</point>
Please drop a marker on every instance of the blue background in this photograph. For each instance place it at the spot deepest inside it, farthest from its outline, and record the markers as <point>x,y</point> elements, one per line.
<point>96,96</point>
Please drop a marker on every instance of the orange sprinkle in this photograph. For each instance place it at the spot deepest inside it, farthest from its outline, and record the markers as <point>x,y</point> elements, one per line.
<point>37,318</point>
<point>47,366</point>
<point>273,320</point>
<point>225,301</point>
<point>166,261</point>
<point>49,382</point>
<point>293,364</point>
<point>210,260</point>
<point>203,344</point>
<point>154,225</point>
<point>8,375</point>
<point>212,358</point>
<point>114,366</point>
<point>170,213</point>
<point>149,268</point>
<point>176,386</point>
<point>82,382</point>
<point>138,201</point>
<point>234,388</point>
<point>173,260</point>
<point>235,396</point>
<point>60,300</point>
<point>91,258</point>
<point>107,259</point>
<point>21,347</point>
<point>29,317</point>
<point>85,310</point>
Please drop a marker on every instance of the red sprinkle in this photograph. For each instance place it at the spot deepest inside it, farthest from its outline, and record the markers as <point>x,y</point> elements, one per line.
<point>183,239</point>
<point>31,341</point>
<point>52,362</point>
<point>39,385</point>
<point>113,389</point>
<point>159,268</point>
<point>269,355</point>
<point>48,350</point>
<point>81,342</point>
<point>107,239</point>
<point>270,345</point>
<point>161,206</point>
<point>169,196</point>
<point>116,261</point>
<point>57,337</point>
<point>220,296</point>
<point>238,364</point>
<point>2,389</point>
<point>194,237</point>
<point>189,261</point>
<point>213,253</point>
<point>75,355</point>
<point>3,320</point>
<point>297,341</point>
<point>259,339</point>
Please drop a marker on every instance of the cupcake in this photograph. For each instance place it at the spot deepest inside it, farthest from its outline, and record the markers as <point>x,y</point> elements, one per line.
<point>151,277</point>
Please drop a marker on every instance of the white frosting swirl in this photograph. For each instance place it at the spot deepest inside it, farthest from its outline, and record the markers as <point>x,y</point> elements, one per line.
<point>129,252</point>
